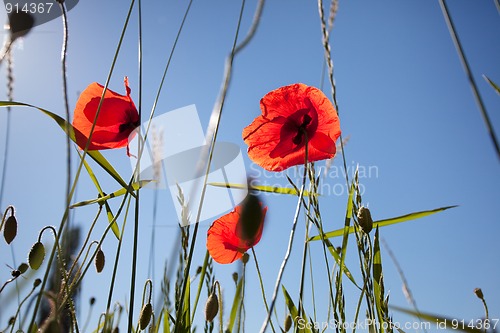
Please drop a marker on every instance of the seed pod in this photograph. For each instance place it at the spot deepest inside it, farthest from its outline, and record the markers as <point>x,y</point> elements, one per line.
<point>479,293</point>
<point>145,316</point>
<point>99,261</point>
<point>10,229</point>
<point>23,267</point>
<point>211,307</point>
<point>365,219</point>
<point>36,255</point>
<point>245,258</point>
<point>288,323</point>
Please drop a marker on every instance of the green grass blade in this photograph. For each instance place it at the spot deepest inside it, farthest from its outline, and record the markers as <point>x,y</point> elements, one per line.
<point>386,222</point>
<point>135,186</point>
<point>345,230</point>
<point>294,313</point>
<point>166,321</point>
<point>70,131</point>
<point>186,321</point>
<point>235,306</point>
<point>109,213</point>
<point>337,258</point>
<point>493,84</point>
<point>440,321</point>
<point>200,284</point>
<point>377,279</point>
<point>261,188</point>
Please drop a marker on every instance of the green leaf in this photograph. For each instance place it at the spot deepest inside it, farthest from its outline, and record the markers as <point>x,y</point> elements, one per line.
<point>493,84</point>
<point>200,283</point>
<point>377,278</point>
<point>109,213</point>
<point>186,311</point>
<point>261,188</point>
<point>386,222</point>
<point>166,321</point>
<point>339,257</point>
<point>236,304</point>
<point>70,131</point>
<point>295,313</point>
<point>443,322</point>
<point>135,186</point>
<point>345,233</point>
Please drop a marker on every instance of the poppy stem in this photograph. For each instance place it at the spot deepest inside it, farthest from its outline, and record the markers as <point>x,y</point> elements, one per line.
<point>262,286</point>
<point>211,135</point>
<point>290,241</point>
<point>138,167</point>
<point>66,102</point>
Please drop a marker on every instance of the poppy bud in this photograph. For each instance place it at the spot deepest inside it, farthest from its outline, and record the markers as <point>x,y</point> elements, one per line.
<point>10,229</point>
<point>99,261</point>
<point>92,300</point>
<point>23,268</point>
<point>479,293</point>
<point>250,217</point>
<point>235,277</point>
<point>211,307</point>
<point>245,258</point>
<point>145,316</point>
<point>36,283</point>
<point>36,255</point>
<point>288,323</point>
<point>20,23</point>
<point>365,219</point>
<point>198,270</point>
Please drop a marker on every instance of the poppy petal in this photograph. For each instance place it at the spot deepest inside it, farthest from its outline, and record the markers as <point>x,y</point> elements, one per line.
<point>221,239</point>
<point>117,118</point>
<point>223,242</point>
<point>276,138</point>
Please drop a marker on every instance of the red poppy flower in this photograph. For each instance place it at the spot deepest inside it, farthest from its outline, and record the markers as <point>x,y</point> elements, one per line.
<point>292,115</point>
<point>117,118</point>
<point>226,242</point>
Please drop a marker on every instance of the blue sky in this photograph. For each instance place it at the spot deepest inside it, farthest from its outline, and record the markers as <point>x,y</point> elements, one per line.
<point>404,103</point>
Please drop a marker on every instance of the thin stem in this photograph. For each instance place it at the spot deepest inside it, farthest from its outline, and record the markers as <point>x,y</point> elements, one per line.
<point>136,217</point>
<point>304,253</point>
<point>66,212</point>
<point>261,285</point>
<point>212,131</point>
<point>470,77</point>
<point>66,102</point>
<point>6,49</point>
<point>290,241</point>
<point>10,81</point>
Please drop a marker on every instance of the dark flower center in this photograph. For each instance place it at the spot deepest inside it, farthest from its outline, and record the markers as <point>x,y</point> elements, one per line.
<point>128,126</point>
<point>301,129</point>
